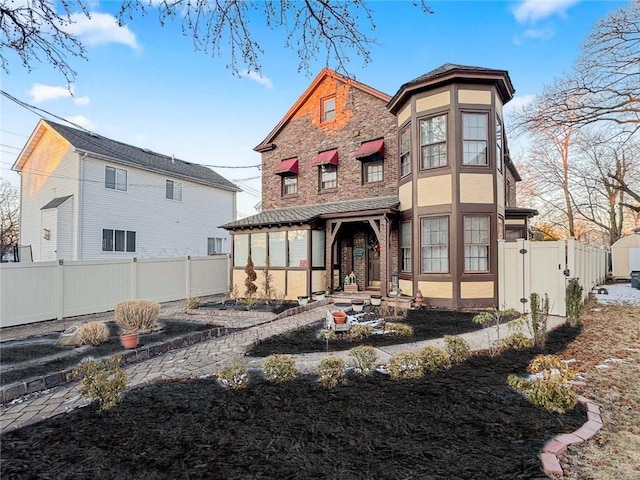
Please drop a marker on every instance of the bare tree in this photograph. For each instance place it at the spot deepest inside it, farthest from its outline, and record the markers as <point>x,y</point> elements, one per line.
<point>9,217</point>
<point>605,84</point>
<point>40,30</point>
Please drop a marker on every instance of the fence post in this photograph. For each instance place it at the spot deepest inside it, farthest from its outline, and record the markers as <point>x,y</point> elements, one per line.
<point>501,273</point>
<point>134,278</point>
<point>188,276</point>
<point>60,309</point>
<point>525,251</point>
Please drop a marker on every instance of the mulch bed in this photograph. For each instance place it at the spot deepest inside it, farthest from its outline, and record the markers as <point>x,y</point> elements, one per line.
<point>427,324</point>
<point>465,423</point>
<point>257,307</point>
<point>27,358</point>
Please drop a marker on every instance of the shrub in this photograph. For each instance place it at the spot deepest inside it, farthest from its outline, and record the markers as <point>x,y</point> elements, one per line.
<point>434,360</point>
<point>137,315</point>
<point>92,333</point>
<point>539,316</point>
<point>405,365</point>
<point>551,366</point>
<point>327,335</point>
<point>193,303</point>
<point>551,393</point>
<point>280,368</point>
<point>491,319</point>
<point>234,376</point>
<point>574,301</point>
<point>398,329</point>
<point>363,359</point>
<point>457,348</point>
<point>252,276</point>
<point>360,332</point>
<point>516,340</point>
<point>103,381</point>
<point>331,371</point>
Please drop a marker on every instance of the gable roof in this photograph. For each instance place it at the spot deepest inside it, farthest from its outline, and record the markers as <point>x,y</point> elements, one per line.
<point>266,144</point>
<point>123,154</point>
<point>307,213</point>
<point>449,72</point>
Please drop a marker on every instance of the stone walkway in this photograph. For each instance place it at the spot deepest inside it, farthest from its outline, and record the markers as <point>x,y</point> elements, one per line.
<point>205,359</point>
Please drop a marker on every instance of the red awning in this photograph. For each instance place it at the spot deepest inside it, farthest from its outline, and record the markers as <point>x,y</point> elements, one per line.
<point>287,167</point>
<point>330,157</point>
<point>368,149</point>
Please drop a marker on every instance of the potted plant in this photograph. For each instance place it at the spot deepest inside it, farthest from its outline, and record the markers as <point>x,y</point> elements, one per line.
<point>133,317</point>
<point>318,296</point>
<point>357,305</point>
<point>303,299</point>
<point>376,300</point>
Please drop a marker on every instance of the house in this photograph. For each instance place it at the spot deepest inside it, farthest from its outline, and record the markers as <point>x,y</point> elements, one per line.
<point>625,256</point>
<point>87,197</point>
<point>410,192</point>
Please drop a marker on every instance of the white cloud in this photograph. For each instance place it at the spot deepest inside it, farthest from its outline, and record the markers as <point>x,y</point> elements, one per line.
<point>82,121</point>
<point>82,100</point>
<point>530,11</point>
<point>518,102</point>
<point>539,33</point>
<point>42,93</point>
<point>101,29</point>
<point>258,78</point>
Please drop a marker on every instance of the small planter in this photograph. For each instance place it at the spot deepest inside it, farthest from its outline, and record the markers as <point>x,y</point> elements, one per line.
<point>339,317</point>
<point>303,300</point>
<point>376,300</point>
<point>129,340</point>
<point>318,296</point>
<point>357,305</point>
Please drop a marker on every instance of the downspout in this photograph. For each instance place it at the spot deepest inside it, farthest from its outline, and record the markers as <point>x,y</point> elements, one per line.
<point>79,209</point>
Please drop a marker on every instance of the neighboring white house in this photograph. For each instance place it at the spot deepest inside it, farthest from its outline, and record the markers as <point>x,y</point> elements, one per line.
<point>86,197</point>
<point>625,256</point>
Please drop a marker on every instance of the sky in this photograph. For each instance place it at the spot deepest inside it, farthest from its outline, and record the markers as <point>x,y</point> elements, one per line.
<point>145,85</point>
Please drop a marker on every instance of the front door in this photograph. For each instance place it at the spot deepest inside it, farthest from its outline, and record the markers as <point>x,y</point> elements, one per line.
<point>373,254</point>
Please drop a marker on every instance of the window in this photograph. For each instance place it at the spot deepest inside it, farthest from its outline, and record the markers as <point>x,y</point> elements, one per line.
<point>405,152</point>
<point>173,190</point>
<point>433,141</point>
<point>118,240</point>
<point>476,244</point>
<point>297,248</point>
<point>328,109</point>
<point>317,248</point>
<point>435,244</point>
<point>328,177</point>
<point>259,249</point>
<point>240,250</point>
<point>499,158</point>
<point>474,136</point>
<point>405,246</point>
<point>289,185</point>
<point>115,178</point>
<point>214,245</point>
<point>278,249</point>
<point>373,172</point>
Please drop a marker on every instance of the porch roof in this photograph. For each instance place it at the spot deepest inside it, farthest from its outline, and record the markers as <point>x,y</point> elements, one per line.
<point>307,213</point>
<point>520,212</point>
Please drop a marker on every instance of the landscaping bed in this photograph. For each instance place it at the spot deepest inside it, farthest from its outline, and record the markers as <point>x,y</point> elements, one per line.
<point>427,324</point>
<point>464,423</point>
<point>226,305</point>
<point>38,356</point>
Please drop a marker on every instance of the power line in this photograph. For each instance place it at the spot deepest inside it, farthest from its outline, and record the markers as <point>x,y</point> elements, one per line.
<point>9,146</point>
<point>14,133</point>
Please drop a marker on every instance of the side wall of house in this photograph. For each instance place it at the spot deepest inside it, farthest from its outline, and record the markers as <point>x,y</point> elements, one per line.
<point>164,227</point>
<point>51,171</point>
<point>359,117</point>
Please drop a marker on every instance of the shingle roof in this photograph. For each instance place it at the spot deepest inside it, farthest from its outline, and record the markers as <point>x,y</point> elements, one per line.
<point>125,154</point>
<point>56,202</point>
<point>446,68</point>
<point>304,214</point>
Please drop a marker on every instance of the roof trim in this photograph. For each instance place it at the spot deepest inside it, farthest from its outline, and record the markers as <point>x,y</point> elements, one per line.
<point>519,212</point>
<point>267,144</point>
<point>56,202</point>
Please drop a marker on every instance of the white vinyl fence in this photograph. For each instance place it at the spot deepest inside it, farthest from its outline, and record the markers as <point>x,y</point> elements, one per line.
<point>546,267</point>
<point>32,292</point>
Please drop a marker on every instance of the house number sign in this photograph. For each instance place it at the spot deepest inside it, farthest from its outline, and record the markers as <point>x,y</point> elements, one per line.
<point>358,252</point>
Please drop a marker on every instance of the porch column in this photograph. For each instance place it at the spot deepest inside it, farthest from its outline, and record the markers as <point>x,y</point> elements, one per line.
<point>333,226</point>
<point>384,256</point>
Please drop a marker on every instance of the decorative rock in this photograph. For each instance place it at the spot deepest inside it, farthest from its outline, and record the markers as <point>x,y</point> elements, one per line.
<point>69,338</point>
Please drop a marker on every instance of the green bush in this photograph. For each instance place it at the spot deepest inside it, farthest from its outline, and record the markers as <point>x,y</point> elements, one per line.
<point>137,315</point>
<point>364,359</point>
<point>234,376</point>
<point>398,329</point>
<point>516,340</point>
<point>360,332</point>
<point>574,301</point>
<point>405,365</point>
<point>327,335</point>
<point>434,360</point>
<point>280,368</point>
<point>92,333</point>
<point>457,348</point>
<point>331,371</point>
<point>551,393</point>
<point>103,381</point>
<point>550,365</point>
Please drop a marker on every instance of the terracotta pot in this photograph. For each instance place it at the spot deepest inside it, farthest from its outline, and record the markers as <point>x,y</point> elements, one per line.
<point>357,305</point>
<point>129,340</point>
<point>339,317</point>
<point>376,300</point>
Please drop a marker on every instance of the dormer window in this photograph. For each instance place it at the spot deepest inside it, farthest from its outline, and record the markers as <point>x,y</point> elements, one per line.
<point>328,109</point>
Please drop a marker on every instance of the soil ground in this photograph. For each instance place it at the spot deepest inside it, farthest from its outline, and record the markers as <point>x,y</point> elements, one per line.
<point>258,307</point>
<point>36,356</point>
<point>465,423</point>
<point>427,324</point>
